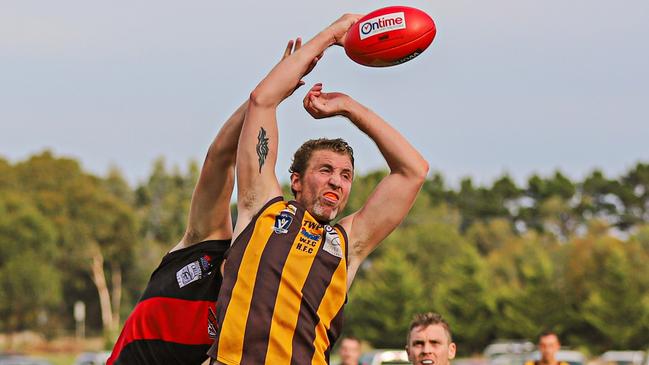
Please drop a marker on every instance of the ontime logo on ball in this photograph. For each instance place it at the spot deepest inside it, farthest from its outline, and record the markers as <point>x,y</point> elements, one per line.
<point>382,24</point>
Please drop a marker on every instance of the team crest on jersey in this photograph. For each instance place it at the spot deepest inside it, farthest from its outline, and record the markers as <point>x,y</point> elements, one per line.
<point>282,221</point>
<point>332,242</point>
<point>188,274</point>
<point>206,264</point>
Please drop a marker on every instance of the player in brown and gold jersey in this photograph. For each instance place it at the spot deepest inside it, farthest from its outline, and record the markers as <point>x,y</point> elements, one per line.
<point>288,270</point>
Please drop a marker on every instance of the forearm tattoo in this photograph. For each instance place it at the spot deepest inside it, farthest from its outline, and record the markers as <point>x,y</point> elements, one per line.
<point>262,147</point>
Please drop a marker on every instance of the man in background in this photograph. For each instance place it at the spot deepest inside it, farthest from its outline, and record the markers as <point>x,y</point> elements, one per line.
<point>429,340</point>
<point>350,350</point>
<point>549,346</point>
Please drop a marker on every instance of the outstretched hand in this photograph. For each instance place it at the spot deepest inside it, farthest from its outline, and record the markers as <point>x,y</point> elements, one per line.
<point>291,48</point>
<point>341,26</point>
<point>323,105</point>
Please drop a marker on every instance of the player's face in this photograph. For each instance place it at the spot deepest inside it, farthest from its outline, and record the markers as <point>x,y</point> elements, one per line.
<point>548,347</point>
<point>350,352</point>
<point>430,345</point>
<point>324,186</point>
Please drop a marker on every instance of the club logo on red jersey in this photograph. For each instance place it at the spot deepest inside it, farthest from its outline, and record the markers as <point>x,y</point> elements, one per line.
<point>188,274</point>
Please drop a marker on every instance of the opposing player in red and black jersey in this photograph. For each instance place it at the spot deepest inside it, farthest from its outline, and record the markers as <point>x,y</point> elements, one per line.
<point>288,270</point>
<point>173,322</point>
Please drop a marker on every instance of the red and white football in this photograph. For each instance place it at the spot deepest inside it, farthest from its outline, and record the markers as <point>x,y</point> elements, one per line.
<point>389,36</point>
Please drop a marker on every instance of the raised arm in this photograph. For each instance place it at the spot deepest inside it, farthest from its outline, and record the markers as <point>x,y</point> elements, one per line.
<point>209,211</point>
<point>257,152</point>
<point>393,197</point>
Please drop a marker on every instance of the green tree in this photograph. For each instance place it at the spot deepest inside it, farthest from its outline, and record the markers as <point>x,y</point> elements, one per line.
<point>465,299</point>
<point>616,304</point>
<point>551,209</point>
<point>163,202</point>
<point>381,306</point>
<point>30,284</point>
<point>528,292</point>
<point>96,230</point>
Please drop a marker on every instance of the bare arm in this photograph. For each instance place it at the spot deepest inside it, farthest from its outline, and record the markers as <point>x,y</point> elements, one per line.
<point>209,211</point>
<point>393,197</point>
<point>257,153</point>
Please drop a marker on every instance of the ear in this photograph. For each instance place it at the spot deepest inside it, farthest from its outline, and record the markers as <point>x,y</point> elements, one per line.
<point>408,354</point>
<point>296,183</point>
<point>451,351</point>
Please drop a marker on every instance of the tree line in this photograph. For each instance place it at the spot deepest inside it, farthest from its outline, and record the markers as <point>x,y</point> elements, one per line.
<point>498,261</point>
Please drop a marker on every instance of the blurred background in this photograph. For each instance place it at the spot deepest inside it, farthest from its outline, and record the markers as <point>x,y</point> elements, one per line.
<point>531,114</point>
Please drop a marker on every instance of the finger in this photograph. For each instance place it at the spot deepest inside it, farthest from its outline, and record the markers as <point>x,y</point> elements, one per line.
<point>306,100</point>
<point>289,48</point>
<point>315,104</point>
<point>308,106</point>
<point>298,44</point>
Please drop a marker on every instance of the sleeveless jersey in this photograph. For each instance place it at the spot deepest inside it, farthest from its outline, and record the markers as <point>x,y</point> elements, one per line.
<point>171,323</point>
<point>283,291</point>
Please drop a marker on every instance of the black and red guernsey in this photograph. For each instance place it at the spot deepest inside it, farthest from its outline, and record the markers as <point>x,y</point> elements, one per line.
<point>173,322</point>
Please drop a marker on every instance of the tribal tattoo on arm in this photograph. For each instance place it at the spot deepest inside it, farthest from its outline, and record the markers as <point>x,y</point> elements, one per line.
<point>262,147</point>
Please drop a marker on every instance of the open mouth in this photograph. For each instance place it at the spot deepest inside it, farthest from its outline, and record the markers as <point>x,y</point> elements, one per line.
<point>331,196</point>
<point>427,361</point>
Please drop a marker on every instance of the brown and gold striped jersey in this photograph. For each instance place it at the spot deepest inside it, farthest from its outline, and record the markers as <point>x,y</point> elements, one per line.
<point>284,288</point>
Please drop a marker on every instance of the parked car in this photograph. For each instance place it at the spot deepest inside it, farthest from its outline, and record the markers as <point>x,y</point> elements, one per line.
<point>622,357</point>
<point>92,358</point>
<point>508,352</point>
<point>505,347</point>
<point>509,359</point>
<point>22,360</point>
<point>385,357</point>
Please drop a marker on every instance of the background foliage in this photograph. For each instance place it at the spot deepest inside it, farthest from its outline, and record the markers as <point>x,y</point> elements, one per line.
<point>498,261</point>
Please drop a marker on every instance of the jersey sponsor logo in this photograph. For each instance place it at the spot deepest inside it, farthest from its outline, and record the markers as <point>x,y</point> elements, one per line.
<point>282,221</point>
<point>312,225</point>
<point>308,240</point>
<point>382,24</point>
<point>305,245</point>
<point>309,235</point>
<point>188,274</point>
<point>332,242</point>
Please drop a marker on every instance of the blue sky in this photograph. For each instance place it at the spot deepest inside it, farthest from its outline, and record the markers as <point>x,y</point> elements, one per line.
<point>516,86</point>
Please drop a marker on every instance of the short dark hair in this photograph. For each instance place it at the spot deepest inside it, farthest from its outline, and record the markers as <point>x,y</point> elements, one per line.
<point>303,154</point>
<point>546,333</point>
<point>352,338</point>
<point>429,319</point>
